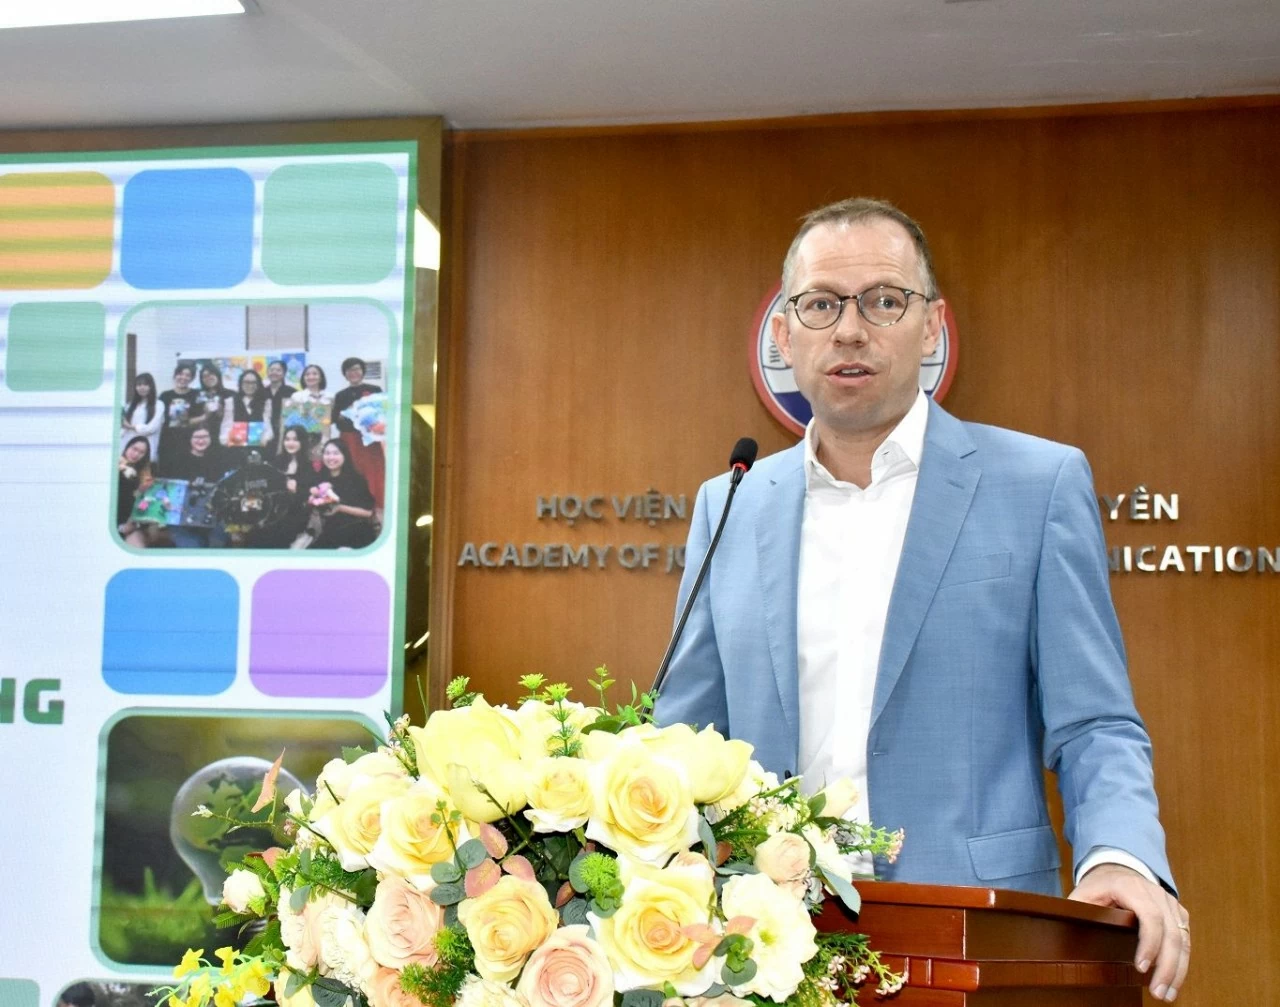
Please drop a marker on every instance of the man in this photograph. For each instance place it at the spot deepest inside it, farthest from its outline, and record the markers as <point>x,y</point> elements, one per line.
<point>922,605</point>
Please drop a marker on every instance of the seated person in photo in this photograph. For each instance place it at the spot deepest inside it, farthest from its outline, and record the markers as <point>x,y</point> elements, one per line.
<point>342,499</point>
<point>250,404</point>
<point>279,393</point>
<point>203,462</point>
<point>211,399</point>
<point>294,461</point>
<point>369,458</point>
<point>179,412</point>
<point>133,476</point>
<point>144,415</point>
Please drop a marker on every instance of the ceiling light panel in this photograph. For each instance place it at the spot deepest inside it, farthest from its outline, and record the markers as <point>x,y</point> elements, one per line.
<point>40,13</point>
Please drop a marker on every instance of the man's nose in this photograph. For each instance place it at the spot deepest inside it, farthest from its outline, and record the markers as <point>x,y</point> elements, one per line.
<point>851,328</point>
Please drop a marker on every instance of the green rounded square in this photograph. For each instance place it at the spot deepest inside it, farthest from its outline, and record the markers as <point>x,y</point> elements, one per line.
<point>330,223</point>
<point>56,346</point>
<point>19,993</point>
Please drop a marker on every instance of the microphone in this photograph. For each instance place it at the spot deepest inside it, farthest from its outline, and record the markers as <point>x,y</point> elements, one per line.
<point>741,459</point>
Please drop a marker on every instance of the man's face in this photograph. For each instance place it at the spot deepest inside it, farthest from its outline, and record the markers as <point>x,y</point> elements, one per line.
<point>848,260</point>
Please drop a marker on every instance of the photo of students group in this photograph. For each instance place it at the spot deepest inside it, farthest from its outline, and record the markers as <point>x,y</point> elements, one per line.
<point>257,452</point>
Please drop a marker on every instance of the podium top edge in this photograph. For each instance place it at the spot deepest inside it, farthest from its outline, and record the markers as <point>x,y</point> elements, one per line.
<point>993,899</point>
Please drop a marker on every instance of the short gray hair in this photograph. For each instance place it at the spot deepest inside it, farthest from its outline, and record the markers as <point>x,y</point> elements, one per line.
<point>852,211</point>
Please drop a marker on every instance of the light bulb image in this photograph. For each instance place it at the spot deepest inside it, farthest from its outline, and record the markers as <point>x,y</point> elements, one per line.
<point>228,787</point>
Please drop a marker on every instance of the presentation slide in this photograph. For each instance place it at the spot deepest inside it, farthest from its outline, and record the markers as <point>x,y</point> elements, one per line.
<point>204,402</point>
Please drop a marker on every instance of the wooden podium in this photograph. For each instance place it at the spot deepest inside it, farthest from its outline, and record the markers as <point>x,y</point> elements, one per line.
<point>987,947</point>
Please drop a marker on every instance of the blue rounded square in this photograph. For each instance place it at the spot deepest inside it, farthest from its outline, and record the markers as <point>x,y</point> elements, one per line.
<point>187,228</point>
<point>170,632</point>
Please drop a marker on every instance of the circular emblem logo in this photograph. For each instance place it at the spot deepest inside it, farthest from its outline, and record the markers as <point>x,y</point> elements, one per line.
<point>776,385</point>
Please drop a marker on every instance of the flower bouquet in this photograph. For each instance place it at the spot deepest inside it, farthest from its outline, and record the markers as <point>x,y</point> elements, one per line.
<point>554,855</point>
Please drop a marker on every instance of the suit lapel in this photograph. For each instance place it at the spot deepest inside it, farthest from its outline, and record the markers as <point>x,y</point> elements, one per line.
<point>944,491</point>
<point>777,524</point>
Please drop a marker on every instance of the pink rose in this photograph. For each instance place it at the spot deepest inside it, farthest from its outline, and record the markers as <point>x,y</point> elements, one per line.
<point>568,970</point>
<point>385,991</point>
<point>402,924</point>
<point>785,859</point>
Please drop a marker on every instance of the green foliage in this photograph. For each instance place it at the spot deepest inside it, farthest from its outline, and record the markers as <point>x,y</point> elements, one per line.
<point>439,986</point>
<point>153,928</point>
<point>267,942</point>
<point>457,694</point>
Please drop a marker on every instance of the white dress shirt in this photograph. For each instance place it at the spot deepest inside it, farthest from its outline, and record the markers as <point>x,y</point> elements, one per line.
<point>850,543</point>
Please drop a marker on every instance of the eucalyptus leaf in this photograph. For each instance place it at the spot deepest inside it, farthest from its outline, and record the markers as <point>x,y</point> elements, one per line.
<point>737,867</point>
<point>707,837</point>
<point>574,912</point>
<point>445,872</point>
<point>575,874</point>
<point>816,803</point>
<point>293,983</point>
<point>472,854</point>
<point>447,895</point>
<point>737,977</point>
<point>604,908</point>
<point>366,886</point>
<point>642,998</point>
<point>330,993</point>
<point>298,900</point>
<point>848,894</point>
<point>451,915</point>
<point>304,860</point>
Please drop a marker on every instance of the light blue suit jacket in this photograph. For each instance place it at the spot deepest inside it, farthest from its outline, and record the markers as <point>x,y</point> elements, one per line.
<point>1001,653</point>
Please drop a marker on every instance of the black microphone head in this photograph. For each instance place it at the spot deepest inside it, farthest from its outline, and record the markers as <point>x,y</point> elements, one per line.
<point>744,454</point>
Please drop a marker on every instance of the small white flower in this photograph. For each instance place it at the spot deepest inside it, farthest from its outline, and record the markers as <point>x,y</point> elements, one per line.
<point>241,888</point>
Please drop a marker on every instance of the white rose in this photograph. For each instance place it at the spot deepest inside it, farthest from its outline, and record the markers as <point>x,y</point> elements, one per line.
<point>841,796</point>
<point>241,888</point>
<point>344,949</point>
<point>783,934</point>
<point>477,992</point>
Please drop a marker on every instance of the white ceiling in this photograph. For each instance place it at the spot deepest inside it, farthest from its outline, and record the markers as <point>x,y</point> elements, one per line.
<point>492,63</point>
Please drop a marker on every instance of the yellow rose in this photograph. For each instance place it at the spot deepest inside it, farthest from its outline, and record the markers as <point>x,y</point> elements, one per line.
<point>468,751</point>
<point>644,939</point>
<point>715,766</point>
<point>338,779</point>
<point>470,733</point>
<point>505,924</point>
<point>841,796</point>
<point>641,804</point>
<point>301,998</point>
<point>353,827</point>
<point>410,842</point>
<point>559,794</point>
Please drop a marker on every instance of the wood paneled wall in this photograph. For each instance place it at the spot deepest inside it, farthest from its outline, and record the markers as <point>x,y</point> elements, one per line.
<point>1116,283</point>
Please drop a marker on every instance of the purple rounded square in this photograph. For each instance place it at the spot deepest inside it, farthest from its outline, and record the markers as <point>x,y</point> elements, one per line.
<point>320,633</point>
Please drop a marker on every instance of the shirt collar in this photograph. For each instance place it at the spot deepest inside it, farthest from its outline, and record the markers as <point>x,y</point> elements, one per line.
<point>905,443</point>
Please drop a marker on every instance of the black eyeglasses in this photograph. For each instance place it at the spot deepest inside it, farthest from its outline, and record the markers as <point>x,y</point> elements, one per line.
<point>882,306</point>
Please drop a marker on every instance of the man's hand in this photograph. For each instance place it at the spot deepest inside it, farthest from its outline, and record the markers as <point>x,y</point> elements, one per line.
<point>1164,934</point>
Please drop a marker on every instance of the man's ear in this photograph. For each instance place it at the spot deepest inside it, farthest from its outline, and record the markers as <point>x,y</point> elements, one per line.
<point>781,335</point>
<point>935,313</point>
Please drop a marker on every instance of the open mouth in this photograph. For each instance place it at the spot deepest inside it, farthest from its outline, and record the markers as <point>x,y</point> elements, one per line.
<point>850,371</point>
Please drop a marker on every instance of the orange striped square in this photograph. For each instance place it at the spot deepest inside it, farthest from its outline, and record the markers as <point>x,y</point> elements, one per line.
<point>56,230</point>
